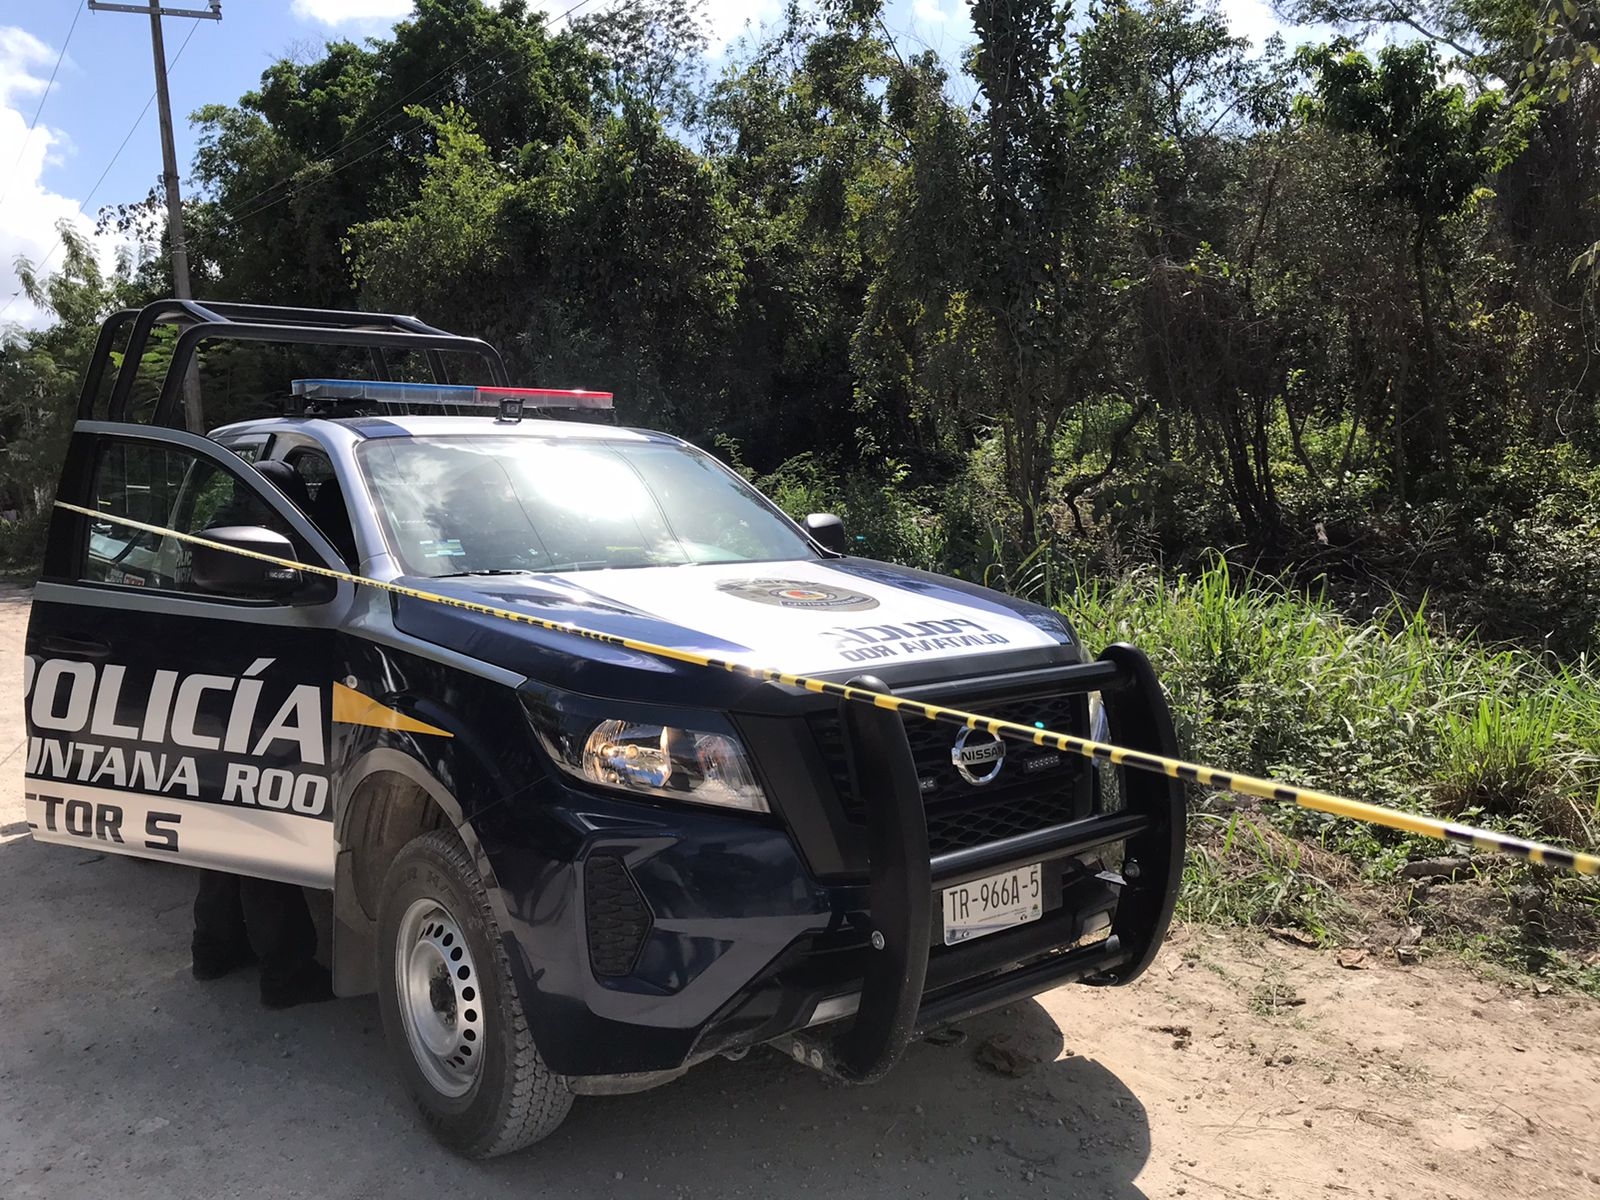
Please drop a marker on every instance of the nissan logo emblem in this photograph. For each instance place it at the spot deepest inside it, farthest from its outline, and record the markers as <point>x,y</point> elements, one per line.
<point>978,756</point>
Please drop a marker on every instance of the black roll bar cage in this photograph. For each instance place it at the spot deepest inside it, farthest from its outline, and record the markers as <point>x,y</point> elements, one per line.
<point>203,321</point>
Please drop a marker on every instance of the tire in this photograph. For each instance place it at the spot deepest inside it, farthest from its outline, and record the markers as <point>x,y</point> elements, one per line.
<point>450,1009</point>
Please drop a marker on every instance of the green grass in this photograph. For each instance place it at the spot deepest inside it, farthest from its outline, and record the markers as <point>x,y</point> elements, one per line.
<point>1241,871</point>
<point>1276,683</point>
<point>1269,681</point>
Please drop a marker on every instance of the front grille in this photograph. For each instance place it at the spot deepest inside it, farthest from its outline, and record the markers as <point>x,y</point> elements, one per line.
<point>960,814</point>
<point>618,917</point>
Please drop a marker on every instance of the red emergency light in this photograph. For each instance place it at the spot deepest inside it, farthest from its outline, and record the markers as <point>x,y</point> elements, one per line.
<point>548,397</point>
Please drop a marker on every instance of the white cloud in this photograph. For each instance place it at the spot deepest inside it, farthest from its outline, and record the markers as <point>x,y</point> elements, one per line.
<point>19,50</point>
<point>727,20</point>
<point>943,26</point>
<point>338,12</point>
<point>1251,19</point>
<point>29,210</point>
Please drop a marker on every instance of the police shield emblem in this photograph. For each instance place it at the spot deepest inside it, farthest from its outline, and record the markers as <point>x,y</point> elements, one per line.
<point>796,593</point>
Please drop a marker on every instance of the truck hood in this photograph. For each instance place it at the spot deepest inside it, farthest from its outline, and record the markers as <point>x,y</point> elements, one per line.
<point>807,616</point>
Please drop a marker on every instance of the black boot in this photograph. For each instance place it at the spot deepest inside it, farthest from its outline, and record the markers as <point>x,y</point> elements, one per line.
<point>309,982</point>
<point>220,945</point>
<point>213,961</point>
<point>281,928</point>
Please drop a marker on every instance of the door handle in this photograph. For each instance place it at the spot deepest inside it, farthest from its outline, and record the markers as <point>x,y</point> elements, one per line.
<point>79,647</point>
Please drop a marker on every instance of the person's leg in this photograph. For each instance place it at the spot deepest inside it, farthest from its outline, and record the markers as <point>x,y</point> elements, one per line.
<point>284,935</point>
<point>220,944</point>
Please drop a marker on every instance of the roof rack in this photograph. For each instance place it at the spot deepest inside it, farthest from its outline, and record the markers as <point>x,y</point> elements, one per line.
<point>224,320</point>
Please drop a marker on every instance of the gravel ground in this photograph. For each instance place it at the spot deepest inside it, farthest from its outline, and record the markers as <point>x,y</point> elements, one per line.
<point>1235,1068</point>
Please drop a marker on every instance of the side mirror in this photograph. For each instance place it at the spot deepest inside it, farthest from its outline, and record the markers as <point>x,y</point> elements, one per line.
<point>228,574</point>
<point>827,531</point>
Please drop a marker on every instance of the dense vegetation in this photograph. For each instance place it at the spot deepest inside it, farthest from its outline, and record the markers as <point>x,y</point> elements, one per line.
<point>1119,300</point>
<point>1386,709</point>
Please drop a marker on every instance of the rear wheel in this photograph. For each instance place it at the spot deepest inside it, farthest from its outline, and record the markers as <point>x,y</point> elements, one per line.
<point>450,1008</point>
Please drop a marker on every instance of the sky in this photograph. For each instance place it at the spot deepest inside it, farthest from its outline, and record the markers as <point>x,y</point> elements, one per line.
<point>70,165</point>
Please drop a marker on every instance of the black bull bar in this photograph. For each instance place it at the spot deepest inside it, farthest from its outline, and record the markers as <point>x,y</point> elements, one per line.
<point>903,997</point>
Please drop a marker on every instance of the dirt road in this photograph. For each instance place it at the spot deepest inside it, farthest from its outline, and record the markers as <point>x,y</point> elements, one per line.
<point>1233,1069</point>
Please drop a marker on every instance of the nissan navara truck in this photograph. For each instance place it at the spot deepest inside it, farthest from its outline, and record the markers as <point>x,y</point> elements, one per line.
<point>565,866</point>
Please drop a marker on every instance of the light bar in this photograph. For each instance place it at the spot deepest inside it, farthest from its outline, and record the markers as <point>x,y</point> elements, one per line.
<point>447,395</point>
<point>548,397</point>
<point>381,392</point>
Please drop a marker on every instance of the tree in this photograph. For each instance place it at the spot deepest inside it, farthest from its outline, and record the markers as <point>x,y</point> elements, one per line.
<point>1438,150</point>
<point>1017,292</point>
<point>332,142</point>
<point>802,135</point>
<point>1481,37</point>
<point>656,50</point>
<point>606,263</point>
<point>40,375</point>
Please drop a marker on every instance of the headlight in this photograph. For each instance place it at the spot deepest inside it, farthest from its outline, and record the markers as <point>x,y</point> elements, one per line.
<point>674,763</point>
<point>682,764</point>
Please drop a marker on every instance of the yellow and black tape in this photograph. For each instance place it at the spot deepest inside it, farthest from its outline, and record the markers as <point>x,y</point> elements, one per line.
<point>1247,785</point>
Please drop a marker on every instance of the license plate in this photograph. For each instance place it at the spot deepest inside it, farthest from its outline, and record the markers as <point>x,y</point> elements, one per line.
<point>982,906</point>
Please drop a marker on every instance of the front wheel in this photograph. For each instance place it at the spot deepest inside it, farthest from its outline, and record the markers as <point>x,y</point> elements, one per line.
<point>450,1008</point>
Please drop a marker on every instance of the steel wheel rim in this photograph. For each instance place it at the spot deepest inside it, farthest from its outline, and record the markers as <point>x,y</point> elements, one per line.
<point>436,985</point>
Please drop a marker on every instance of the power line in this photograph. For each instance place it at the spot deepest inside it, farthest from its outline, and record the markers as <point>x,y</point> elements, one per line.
<point>233,216</point>
<point>355,136</point>
<point>171,181</point>
<point>134,128</point>
<point>235,213</point>
<point>50,83</point>
<point>562,16</point>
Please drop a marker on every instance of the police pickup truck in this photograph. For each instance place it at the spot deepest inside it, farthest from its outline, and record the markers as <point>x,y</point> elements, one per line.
<point>568,867</point>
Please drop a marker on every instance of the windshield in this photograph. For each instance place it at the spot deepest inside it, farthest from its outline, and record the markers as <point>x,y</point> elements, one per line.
<point>479,504</point>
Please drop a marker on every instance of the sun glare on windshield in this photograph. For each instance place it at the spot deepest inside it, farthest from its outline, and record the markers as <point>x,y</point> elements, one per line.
<point>484,505</point>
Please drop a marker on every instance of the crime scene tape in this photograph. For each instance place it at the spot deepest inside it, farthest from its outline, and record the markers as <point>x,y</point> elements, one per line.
<point>1247,785</point>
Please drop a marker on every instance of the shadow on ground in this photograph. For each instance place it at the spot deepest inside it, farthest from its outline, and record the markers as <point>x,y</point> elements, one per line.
<point>121,1075</point>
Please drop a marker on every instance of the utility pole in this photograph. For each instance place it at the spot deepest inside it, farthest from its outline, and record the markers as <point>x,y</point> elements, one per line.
<point>193,416</point>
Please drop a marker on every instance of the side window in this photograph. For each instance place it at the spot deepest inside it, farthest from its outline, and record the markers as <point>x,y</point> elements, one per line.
<point>168,486</point>
<point>251,449</point>
<point>312,467</point>
<point>328,511</point>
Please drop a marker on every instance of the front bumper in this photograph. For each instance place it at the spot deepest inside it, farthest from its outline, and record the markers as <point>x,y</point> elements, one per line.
<point>647,937</point>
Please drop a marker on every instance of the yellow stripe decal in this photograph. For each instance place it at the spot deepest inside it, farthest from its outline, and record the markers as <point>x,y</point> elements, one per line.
<point>1246,785</point>
<point>350,707</point>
